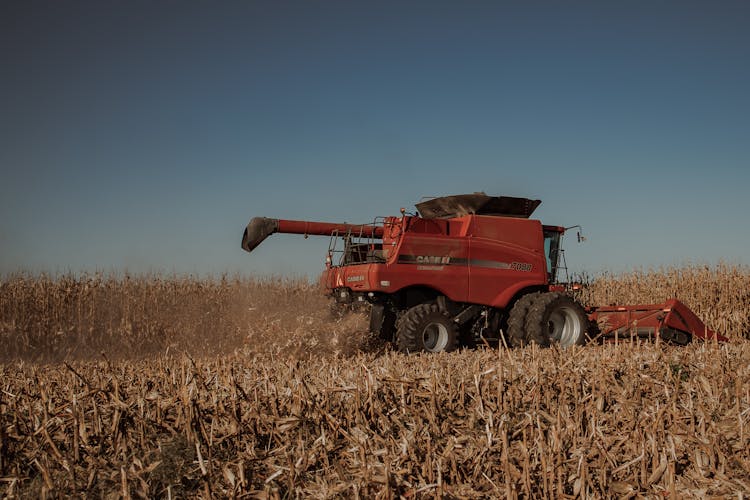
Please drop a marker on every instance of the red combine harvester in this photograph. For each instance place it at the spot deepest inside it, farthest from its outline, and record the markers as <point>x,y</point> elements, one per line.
<point>468,269</point>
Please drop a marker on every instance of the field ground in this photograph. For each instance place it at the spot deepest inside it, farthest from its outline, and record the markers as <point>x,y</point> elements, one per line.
<point>174,387</point>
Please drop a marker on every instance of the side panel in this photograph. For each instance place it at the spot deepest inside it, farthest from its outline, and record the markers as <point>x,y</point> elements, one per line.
<point>505,256</point>
<point>436,261</point>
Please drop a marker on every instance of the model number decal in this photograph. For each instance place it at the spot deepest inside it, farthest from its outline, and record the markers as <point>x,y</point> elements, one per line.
<point>521,266</point>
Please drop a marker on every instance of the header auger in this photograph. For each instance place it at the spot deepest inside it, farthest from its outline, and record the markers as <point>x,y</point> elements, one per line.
<point>467,269</point>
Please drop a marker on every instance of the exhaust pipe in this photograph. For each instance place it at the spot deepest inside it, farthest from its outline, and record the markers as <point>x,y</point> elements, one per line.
<point>258,230</point>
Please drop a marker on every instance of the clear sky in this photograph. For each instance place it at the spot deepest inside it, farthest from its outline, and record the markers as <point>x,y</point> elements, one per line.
<point>143,135</point>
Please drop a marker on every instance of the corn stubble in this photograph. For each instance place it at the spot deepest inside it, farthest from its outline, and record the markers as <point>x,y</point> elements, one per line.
<point>146,387</point>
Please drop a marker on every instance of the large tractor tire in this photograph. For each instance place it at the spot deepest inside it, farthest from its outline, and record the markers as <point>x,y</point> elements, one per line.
<point>517,320</point>
<point>426,328</point>
<point>556,318</point>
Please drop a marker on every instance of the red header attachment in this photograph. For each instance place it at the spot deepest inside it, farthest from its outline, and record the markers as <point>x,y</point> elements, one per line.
<point>672,321</point>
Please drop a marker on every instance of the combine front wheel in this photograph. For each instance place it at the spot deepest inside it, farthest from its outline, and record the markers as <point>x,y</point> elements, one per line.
<point>556,318</point>
<point>425,328</point>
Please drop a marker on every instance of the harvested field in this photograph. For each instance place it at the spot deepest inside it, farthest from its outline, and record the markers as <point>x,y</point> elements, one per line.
<point>175,387</point>
<point>590,422</point>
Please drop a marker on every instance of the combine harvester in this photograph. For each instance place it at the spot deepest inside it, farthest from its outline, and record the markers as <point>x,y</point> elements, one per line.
<point>469,269</point>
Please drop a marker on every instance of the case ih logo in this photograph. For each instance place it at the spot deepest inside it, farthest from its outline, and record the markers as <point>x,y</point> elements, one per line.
<point>438,260</point>
<point>432,259</point>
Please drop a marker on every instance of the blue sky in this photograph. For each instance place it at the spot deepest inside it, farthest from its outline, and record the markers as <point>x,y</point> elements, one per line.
<point>142,136</point>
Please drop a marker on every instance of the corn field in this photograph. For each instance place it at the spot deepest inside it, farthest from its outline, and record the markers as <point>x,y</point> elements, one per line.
<point>48,320</point>
<point>174,387</point>
<point>719,295</point>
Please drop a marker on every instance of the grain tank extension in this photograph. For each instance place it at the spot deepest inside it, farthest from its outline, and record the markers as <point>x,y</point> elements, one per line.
<point>469,269</point>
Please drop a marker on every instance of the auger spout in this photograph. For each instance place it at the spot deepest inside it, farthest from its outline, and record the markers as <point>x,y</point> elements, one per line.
<point>257,230</point>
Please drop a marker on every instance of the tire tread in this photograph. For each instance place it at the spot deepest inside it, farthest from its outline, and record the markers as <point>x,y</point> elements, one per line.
<point>410,324</point>
<point>517,336</point>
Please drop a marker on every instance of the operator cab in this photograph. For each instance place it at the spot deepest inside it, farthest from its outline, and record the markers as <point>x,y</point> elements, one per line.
<point>552,237</point>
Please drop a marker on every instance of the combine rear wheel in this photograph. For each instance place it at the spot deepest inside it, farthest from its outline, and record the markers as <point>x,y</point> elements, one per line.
<point>517,320</point>
<point>556,318</point>
<point>425,328</point>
